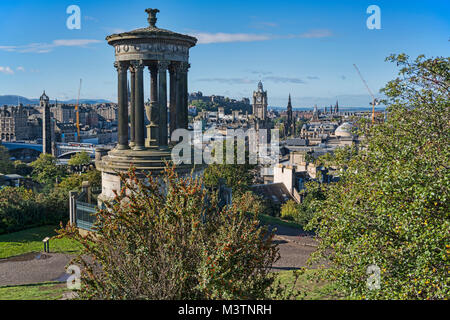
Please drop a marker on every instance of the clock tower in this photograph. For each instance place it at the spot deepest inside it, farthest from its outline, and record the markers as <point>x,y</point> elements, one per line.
<point>260,103</point>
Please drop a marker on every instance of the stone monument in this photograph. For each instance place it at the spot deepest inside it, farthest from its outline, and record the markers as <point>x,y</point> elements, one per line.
<point>162,52</point>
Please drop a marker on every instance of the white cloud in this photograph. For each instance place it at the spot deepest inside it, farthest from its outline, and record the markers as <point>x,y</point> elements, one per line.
<point>6,70</point>
<point>228,80</point>
<point>48,47</point>
<point>275,79</point>
<point>206,38</point>
<point>20,69</point>
<point>74,42</point>
<point>317,33</point>
<point>284,79</point>
<point>89,18</point>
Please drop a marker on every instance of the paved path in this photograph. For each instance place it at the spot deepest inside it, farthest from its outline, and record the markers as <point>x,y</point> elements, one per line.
<point>33,268</point>
<point>295,248</point>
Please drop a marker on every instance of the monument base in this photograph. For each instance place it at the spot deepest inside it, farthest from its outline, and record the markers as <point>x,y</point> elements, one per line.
<point>151,160</point>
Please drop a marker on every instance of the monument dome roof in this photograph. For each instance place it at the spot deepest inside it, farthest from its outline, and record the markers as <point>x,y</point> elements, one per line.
<point>151,33</point>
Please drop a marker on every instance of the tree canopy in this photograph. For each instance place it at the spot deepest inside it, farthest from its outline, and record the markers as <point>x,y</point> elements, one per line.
<point>46,170</point>
<point>6,165</point>
<point>80,159</point>
<point>390,208</point>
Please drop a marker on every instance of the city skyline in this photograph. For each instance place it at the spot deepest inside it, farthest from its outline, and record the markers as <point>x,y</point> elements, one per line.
<point>307,50</point>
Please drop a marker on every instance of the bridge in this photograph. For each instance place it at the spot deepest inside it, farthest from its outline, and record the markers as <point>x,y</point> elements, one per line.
<point>63,150</point>
<point>67,150</point>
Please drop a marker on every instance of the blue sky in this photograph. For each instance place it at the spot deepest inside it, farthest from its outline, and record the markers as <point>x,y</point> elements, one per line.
<point>306,48</point>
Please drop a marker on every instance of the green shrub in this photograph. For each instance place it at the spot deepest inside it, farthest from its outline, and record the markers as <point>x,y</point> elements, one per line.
<point>289,210</point>
<point>169,240</point>
<point>21,209</point>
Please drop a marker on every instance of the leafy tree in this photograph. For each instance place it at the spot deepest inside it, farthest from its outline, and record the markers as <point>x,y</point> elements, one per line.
<point>239,177</point>
<point>314,193</point>
<point>289,210</point>
<point>167,239</point>
<point>46,170</point>
<point>80,159</point>
<point>281,129</point>
<point>74,181</point>
<point>6,165</point>
<point>391,205</point>
<point>303,212</point>
<point>298,126</point>
<point>22,168</point>
<point>250,203</point>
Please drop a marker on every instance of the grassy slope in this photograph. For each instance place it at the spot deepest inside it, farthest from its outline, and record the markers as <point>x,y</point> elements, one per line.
<point>266,219</point>
<point>311,284</point>
<point>46,291</point>
<point>30,240</point>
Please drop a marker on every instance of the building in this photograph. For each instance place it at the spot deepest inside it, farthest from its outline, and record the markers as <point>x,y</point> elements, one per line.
<point>344,130</point>
<point>46,124</point>
<point>109,112</point>
<point>66,132</point>
<point>289,126</point>
<point>221,112</point>
<point>260,103</point>
<point>336,107</point>
<point>64,113</point>
<point>13,123</point>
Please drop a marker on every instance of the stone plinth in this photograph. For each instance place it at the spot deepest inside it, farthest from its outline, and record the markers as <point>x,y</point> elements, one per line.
<point>150,161</point>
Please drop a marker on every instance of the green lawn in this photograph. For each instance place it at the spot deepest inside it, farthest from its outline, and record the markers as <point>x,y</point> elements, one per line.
<point>43,291</point>
<point>314,288</point>
<point>266,219</point>
<point>30,240</point>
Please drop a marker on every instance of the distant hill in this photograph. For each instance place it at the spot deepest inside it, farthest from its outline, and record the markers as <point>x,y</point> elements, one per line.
<point>88,101</point>
<point>14,100</point>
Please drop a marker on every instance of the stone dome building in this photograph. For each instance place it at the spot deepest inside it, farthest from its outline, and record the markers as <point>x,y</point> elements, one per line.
<point>344,130</point>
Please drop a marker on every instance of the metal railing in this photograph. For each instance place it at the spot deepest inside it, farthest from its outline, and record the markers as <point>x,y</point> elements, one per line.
<point>83,209</point>
<point>85,215</point>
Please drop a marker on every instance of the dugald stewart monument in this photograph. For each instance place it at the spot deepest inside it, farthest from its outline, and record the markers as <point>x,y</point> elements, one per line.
<point>165,54</point>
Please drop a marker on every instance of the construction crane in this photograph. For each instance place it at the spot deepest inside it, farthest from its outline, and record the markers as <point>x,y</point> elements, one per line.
<point>374,100</point>
<point>78,112</point>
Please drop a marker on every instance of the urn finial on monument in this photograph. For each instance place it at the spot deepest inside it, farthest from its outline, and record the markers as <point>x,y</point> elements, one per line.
<point>152,16</point>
